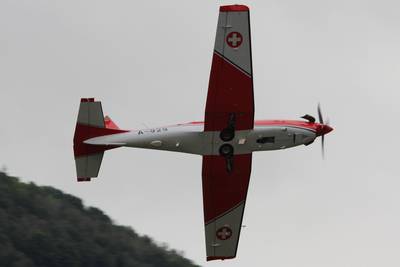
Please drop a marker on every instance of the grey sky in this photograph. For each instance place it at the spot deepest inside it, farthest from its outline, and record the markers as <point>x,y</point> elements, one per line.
<point>149,62</point>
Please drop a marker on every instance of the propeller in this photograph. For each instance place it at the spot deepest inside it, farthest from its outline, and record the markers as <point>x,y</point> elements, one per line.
<point>321,129</point>
<point>325,128</point>
<point>321,119</point>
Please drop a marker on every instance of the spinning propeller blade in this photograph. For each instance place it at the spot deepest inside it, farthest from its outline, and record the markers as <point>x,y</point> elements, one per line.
<point>325,128</point>
<point>321,119</point>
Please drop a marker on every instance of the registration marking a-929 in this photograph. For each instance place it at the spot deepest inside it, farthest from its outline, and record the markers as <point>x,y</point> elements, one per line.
<point>153,130</point>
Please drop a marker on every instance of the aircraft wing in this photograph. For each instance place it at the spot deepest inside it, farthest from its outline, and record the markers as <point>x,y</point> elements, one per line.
<point>229,109</point>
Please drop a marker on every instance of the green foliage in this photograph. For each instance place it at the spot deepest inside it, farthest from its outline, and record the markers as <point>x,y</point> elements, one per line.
<point>42,226</point>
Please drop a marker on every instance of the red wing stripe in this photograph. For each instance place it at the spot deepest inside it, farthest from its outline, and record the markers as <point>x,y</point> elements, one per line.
<point>230,91</point>
<point>223,191</point>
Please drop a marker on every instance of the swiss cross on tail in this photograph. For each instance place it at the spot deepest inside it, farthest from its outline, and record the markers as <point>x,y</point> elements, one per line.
<point>229,116</point>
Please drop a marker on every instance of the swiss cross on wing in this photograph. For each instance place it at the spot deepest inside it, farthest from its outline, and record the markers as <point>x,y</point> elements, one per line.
<point>224,233</point>
<point>234,39</point>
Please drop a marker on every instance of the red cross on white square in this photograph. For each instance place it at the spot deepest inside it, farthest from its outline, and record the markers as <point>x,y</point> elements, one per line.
<point>234,39</point>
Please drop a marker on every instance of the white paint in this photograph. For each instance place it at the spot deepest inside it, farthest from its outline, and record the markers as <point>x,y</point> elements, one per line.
<point>156,143</point>
<point>234,22</point>
<point>191,139</point>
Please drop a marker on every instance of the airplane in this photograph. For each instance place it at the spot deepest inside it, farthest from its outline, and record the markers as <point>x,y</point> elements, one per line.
<point>225,140</point>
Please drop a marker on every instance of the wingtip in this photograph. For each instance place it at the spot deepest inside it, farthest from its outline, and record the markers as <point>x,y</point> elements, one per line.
<point>83,179</point>
<point>233,8</point>
<point>212,258</point>
<point>91,99</point>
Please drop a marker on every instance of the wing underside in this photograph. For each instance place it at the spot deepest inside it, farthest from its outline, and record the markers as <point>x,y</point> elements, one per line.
<point>229,116</point>
<point>224,200</point>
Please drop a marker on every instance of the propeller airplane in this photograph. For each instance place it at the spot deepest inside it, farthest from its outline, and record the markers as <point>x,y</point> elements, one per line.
<point>225,140</point>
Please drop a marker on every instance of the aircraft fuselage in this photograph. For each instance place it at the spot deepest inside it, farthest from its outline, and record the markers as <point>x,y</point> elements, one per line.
<point>190,137</point>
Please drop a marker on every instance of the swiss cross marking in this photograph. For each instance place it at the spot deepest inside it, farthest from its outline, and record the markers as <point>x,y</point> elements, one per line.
<point>234,39</point>
<point>224,233</point>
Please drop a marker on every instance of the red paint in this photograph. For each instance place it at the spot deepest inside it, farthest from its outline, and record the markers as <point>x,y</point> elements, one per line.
<point>87,99</point>
<point>84,132</point>
<point>229,91</point>
<point>233,8</point>
<point>316,127</point>
<point>234,39</point>
<point>324,129</point>
<point>211,258</point>
<point>223,191</point>
<point>196,122</point>
<point>109,124</point>
<point>289,123</point>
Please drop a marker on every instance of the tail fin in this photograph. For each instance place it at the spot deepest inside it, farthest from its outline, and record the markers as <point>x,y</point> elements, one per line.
<point>91,123</point>
<point>110,124</point>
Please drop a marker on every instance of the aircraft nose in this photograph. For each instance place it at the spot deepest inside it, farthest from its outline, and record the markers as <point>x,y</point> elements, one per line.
<point>327,129</point>
<point>324,129</point>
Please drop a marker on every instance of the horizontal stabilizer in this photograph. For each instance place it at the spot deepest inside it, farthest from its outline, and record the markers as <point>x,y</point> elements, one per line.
<point>88,166</point>
<point>90,124</point>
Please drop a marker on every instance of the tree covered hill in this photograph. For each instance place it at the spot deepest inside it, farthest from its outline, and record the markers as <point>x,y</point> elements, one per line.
<point>42,226</point>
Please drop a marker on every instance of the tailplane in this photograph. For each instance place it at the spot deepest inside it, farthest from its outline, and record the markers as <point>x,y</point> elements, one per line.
<point>90,124</point>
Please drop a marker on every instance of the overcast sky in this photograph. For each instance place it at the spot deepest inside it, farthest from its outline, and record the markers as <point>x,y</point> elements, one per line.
<point>149,63</point>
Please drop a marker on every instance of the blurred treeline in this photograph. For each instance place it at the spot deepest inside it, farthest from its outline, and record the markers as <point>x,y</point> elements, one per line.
<point>42,226</point>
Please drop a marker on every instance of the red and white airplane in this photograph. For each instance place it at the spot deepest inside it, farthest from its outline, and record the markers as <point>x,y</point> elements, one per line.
<point>226,139</point>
